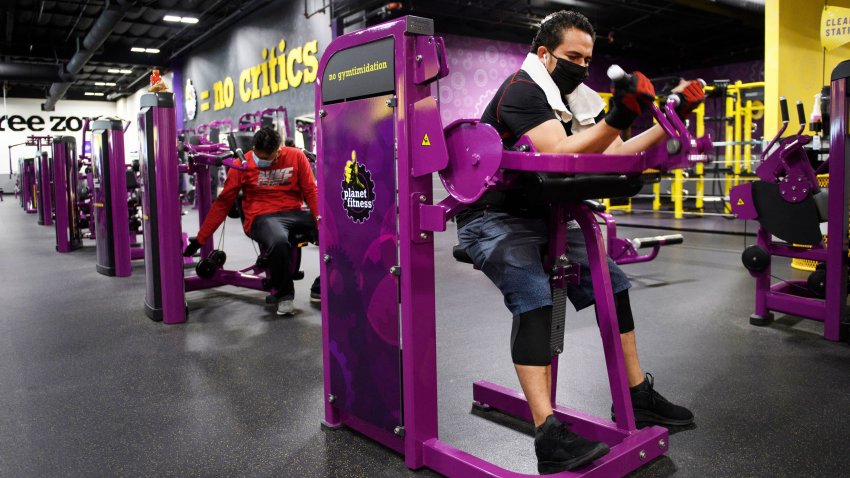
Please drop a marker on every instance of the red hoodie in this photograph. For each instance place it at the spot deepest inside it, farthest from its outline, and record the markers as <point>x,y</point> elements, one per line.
<point>283,186</point>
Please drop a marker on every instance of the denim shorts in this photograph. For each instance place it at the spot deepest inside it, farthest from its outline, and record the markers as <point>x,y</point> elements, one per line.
<point>508,249</point>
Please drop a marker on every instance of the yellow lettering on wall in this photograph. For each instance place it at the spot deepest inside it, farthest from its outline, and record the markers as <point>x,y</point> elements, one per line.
<point>276,73</point>
<point>310,62</point>
<point>294,77</point>
<point>244,93</point>
<point>218,96</point>
<point>272,70</point>
<point>229,93</point>
<point>265,75</point>
<point>255,80</point>
<point>282,84</point>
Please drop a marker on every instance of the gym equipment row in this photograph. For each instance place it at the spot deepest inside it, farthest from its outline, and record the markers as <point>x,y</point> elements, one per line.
<point>378,250</point>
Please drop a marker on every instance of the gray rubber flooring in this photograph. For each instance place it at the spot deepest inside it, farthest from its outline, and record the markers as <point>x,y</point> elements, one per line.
<point>90,387</point>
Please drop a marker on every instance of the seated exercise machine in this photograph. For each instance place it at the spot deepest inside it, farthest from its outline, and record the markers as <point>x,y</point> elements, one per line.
<point>160,167</point>
<point>28,179</point>
<point>380,139</point>
<point>789,205</point>
<point>113,184</point>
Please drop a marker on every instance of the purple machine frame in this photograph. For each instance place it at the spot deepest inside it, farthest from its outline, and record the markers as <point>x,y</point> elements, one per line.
<point>165,298</point>
<point>44,188</point>
<point>254,120</point>
<point>161,210</point>
<point>26,172</point>
<point>787,166</point>
<point>377,247</point>
<point>109,200</point>
<point>625,251</point>
<point>69,236</point>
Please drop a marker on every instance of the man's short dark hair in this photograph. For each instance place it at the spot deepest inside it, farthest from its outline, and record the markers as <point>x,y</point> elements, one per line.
<point>266,140</point>
<point>552,28</point>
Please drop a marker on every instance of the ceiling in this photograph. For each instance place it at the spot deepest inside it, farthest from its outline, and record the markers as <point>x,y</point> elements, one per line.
<point>669,35</point>
<point>53,49</point>
<point>39,38</point>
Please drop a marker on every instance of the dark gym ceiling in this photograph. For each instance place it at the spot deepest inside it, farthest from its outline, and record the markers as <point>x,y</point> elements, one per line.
<point>53,49</point>
<point>671,35</point>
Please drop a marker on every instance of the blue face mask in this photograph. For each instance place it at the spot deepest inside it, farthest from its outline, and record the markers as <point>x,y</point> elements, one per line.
<point>263,163</point>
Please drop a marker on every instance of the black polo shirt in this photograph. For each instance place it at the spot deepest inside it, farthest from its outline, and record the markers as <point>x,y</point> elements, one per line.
<point>518,106</point>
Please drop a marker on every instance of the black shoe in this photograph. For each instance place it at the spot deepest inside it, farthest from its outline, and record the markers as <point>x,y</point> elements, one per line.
<point>315,291</point>
<point>273,299</point>
<point>559,449</point>
<point>651,408</point>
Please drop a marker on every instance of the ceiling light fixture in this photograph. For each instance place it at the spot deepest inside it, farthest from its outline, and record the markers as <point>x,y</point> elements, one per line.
<point>136,49</point>
<point>119,70</point>
<point>151,50</point>
<point>103,83</point>
<point>175,18</point>
<point>93,93</point>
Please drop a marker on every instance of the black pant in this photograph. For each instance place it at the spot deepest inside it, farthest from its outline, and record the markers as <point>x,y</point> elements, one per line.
<point>272,232</point>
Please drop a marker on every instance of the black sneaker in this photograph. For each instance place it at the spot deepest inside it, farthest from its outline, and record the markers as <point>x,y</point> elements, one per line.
<point>651,408</point>
<point>315,291</point>
<point>273,299</point>
<point>559,449</point>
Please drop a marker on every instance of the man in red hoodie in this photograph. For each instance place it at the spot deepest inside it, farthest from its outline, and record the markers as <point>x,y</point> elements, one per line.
<point>275,185</point>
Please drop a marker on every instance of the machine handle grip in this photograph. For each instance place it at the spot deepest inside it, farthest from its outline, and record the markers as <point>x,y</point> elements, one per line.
<point>783,108</point>
<point>615,73</point>
<point>801,113</point>
<point>241,155</point>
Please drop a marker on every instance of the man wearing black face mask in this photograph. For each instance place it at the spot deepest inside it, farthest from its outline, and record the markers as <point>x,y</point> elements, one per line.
<point>547,101</point>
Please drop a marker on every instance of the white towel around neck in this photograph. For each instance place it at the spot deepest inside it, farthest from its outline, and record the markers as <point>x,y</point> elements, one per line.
<point>584,103</point>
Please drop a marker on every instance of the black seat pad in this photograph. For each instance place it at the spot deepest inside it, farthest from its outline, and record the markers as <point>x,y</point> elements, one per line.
<point>796,223</point>
<point>548,188</point>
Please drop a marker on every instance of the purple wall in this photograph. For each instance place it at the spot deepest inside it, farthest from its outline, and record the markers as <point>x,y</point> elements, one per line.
<point>479,66</point>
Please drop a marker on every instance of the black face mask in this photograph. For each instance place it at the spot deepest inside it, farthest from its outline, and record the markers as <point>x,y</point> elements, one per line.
<point>567,75</point>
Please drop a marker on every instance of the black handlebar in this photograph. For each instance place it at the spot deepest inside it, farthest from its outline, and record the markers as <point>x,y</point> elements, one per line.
<point>783,108</point>
<point>801,113</point>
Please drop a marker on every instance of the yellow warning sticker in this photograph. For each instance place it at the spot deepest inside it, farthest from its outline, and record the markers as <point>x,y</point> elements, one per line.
<point>426,141</point>
<point>740,202</point>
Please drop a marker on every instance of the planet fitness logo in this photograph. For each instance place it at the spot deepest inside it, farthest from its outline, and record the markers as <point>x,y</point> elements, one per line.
<point>191,100</point>
<point>358,190</point>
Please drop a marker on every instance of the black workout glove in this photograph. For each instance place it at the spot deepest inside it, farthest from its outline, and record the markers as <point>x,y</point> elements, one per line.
<point>632,94</point>
<point>690,97</point>
<point>193,247</point>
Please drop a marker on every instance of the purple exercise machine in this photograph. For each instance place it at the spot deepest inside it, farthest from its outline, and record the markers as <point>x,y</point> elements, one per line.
<point>26,181</point>
<point>165,282</point>
<point>264,118</point>
<point>69,235</point>
<point>625,251</point>
<point>109,200</point>
<point>790,205</point>
<point>380,139</point>
<point>43,180</point>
